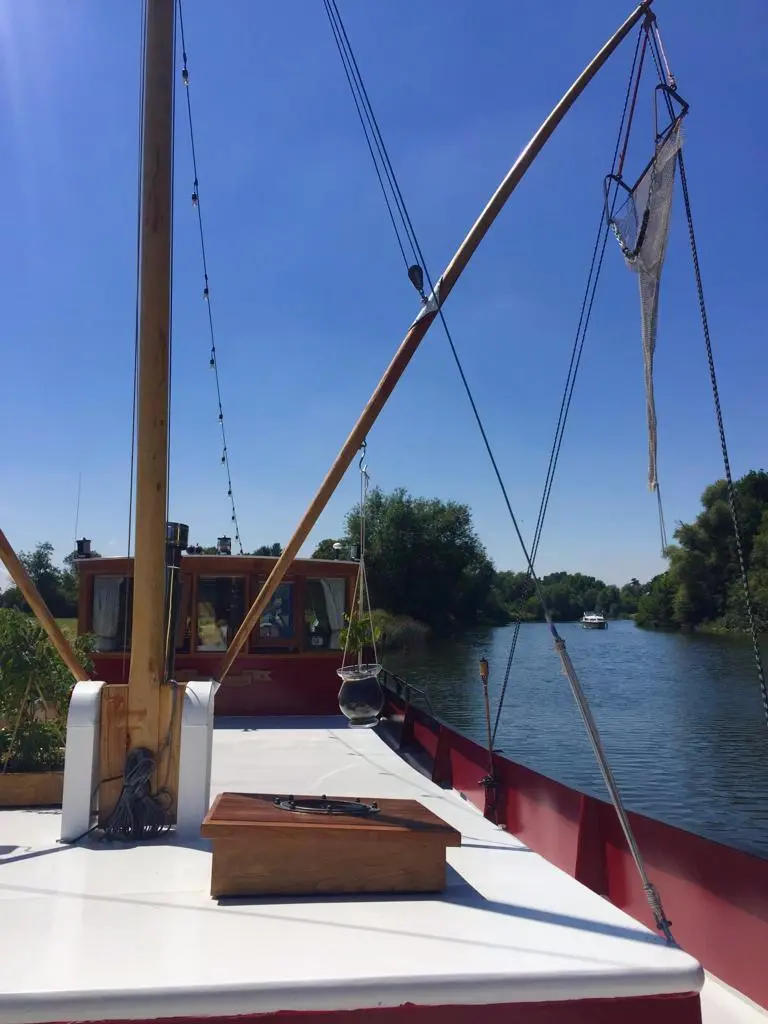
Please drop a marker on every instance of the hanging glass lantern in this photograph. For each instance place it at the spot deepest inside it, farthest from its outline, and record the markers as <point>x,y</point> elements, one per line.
<point>361,697</point>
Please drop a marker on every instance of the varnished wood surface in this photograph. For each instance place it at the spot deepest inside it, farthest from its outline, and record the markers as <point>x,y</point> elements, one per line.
<point>261,849</point>
<point>146,725</point>
<point>235,813</point>
<point>286,863</point>
<point>113,745</point>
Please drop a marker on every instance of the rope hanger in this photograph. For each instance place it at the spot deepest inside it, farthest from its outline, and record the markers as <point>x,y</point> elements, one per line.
<point>361,596</point>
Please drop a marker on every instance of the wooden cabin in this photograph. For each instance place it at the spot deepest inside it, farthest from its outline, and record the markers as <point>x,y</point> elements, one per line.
<point>288,665</point>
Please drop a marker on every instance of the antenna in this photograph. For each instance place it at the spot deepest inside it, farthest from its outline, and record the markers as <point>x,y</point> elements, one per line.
<point>77,508</point>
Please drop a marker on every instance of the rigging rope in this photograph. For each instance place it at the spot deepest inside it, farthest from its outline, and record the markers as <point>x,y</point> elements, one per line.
<point>585,315</point>
<point>374,138</point>
<point>667,78</point>
<point>213,360</point>
<point>361,596</point>
<point>732,505</point>
<point>652,895</point>
<point>362,116</point>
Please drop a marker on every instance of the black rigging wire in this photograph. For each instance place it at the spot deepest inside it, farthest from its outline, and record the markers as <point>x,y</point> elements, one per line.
<point>417,279</point>
<point>585,314</point>
<point>370,124</point>
<point>362,95</point>
<point>362,116</point>
<point>213,361</point>
<point>667,79</point>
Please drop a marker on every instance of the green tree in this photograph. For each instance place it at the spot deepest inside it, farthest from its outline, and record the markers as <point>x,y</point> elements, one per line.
<point>608,601</point>
<point>55,586</point>
<point>272,550</point>
<point>34,694</point>
<point>325,548</point>
<point>703,582</point>
<point>567,595</point>
<point>425,560</point>
<point>516,592</point>
<point>656,609</point>
<point>630,594</point>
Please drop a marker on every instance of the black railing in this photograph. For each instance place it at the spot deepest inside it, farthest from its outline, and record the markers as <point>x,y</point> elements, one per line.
<point>402,688</point>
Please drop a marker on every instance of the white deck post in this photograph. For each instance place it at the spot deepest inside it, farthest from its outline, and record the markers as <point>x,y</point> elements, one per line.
<point>194,793</point>
<point>81,759</point>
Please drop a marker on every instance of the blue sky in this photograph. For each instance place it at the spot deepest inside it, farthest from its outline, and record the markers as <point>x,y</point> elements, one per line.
<point>309,294</point>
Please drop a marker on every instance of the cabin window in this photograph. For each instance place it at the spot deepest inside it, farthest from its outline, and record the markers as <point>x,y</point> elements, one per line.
<point>324,612</point>
<point>112,612</point>
<point>277,620</point>
<point>220,610</point>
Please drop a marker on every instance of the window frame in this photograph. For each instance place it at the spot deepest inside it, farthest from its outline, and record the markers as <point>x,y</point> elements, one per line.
<point>243,577</point>
<point>126,578</point>
<point>310,648</point>
<point>257,645</point>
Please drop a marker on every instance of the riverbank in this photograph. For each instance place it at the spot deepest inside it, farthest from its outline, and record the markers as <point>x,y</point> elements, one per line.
<point>399,632</point>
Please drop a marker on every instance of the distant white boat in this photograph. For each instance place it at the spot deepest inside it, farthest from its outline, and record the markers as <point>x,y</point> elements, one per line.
<point>591,620</point>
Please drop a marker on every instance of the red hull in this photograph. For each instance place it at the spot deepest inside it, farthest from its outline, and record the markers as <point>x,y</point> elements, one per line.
<point>716,897</point>
<point>659,1009</point>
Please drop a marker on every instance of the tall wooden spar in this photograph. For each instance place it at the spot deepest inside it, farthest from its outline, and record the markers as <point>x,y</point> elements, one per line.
<point>148,632</point>
<point>418,330</point>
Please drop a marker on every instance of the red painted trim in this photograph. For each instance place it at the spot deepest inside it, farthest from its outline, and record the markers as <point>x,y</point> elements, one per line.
<point>716,897</point>
<point>259,684</point>
<point>683,1009</point>
<point>442,772</point>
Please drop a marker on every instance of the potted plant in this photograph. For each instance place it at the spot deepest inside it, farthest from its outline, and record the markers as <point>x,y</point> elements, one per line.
<point>360,697</point>
<point>35,687</point>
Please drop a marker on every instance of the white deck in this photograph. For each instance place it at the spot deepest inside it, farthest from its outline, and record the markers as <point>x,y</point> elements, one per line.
<point>105,932</point>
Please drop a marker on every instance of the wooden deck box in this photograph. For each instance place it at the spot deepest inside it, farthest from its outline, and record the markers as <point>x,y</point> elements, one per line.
<point>286,846</point>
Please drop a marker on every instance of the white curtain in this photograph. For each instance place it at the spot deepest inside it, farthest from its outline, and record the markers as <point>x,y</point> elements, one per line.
<point>334,591</point>
<point>106,611</point>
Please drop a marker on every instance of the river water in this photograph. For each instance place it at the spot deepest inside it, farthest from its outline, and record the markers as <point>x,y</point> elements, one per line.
<point>680,717</point>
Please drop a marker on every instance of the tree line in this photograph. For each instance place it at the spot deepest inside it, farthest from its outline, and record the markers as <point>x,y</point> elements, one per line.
<point>703,585</point>
<point>57,585</point>
<point>426,561</point>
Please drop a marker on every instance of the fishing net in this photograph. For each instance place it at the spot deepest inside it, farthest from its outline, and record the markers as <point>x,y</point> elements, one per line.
<point>641,225</point>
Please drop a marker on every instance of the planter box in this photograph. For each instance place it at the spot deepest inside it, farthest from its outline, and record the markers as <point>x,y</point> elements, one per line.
<point>31,789</point>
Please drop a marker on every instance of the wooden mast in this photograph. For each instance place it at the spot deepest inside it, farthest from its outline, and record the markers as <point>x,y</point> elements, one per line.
<point>418,330</point>
<point>148,632</point>
<point>42,613</point>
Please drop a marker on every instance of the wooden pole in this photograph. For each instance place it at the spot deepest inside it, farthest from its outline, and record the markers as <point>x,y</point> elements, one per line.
<point>34,599</point>
<point>148,633</point>
<point>418,330</point>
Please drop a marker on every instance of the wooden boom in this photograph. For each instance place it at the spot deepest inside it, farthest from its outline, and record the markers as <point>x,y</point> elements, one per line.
<point>418,330</point>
